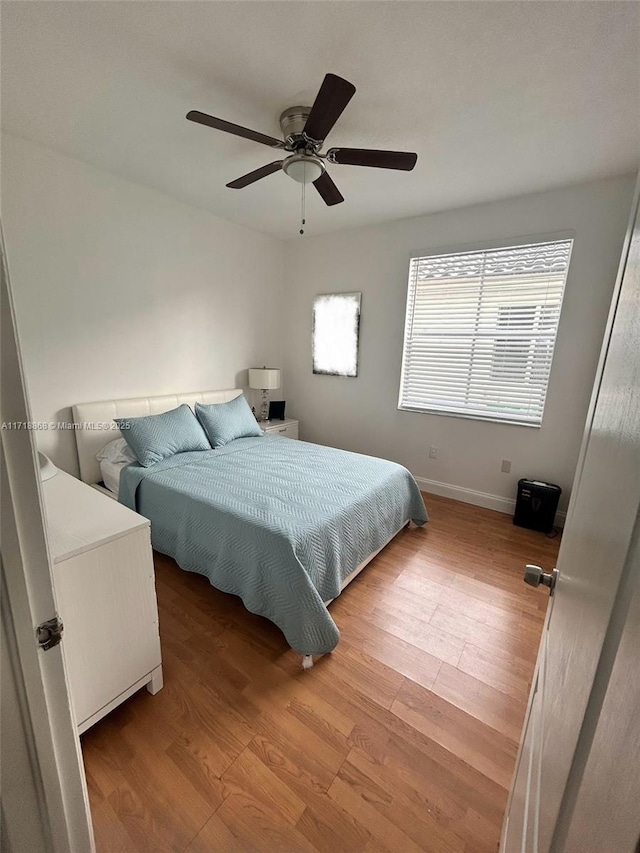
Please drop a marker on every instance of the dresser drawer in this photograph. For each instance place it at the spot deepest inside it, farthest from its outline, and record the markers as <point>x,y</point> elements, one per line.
<point>287,430</point>
<point>107,601</point>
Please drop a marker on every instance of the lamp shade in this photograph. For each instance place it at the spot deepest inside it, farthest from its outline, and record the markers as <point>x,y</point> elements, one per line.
<point>264,378</point>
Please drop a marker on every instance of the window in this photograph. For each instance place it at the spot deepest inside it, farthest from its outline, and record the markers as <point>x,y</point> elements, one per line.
<point>480,331</point>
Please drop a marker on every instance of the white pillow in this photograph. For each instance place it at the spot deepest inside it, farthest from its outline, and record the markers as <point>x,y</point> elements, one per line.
<point>116,451</point>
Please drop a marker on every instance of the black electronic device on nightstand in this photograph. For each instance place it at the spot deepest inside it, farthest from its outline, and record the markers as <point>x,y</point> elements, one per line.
<point>276,410</point>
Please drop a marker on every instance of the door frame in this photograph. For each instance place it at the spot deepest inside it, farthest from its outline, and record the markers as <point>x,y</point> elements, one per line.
<point>48,731</point>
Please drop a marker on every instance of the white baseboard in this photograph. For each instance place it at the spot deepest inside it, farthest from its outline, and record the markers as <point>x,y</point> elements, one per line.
<point>470,496</point>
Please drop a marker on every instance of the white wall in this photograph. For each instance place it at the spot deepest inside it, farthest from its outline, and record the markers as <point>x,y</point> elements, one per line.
<point>122,291</point>
<point>361,414</point>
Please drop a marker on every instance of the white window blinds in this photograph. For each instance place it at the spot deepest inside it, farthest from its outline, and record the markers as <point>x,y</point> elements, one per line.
<point>480,331</point>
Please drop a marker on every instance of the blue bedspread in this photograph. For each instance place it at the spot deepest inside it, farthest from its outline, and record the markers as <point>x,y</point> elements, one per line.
<point>281,523</point>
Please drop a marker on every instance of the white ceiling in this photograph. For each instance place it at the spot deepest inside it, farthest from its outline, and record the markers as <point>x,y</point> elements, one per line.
<point>497,98</point>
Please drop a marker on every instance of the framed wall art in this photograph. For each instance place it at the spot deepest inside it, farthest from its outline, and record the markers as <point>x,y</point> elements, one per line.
<point>335,334</point>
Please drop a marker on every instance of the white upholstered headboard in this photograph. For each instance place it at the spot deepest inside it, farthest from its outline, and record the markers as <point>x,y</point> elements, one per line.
<point>95,426</point>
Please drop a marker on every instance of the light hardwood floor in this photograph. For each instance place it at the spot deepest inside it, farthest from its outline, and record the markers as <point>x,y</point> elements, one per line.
<point>402,740</point>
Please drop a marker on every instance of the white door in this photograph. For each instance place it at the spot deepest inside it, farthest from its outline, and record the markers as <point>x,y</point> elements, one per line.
<point>596,564</point>
<point>606,814</point>
<point>45,806</point>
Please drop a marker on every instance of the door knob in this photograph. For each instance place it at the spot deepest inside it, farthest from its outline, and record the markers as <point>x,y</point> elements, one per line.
<point>534,576</point>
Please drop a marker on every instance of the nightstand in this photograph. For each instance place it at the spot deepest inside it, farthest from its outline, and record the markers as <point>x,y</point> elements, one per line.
<point>105,590</point>
<point>287,428</point>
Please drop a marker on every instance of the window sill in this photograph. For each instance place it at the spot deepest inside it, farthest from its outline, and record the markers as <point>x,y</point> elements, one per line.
<point>495,419</point>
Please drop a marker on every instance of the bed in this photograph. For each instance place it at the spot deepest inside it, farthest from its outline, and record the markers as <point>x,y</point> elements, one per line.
<point>284,524</point>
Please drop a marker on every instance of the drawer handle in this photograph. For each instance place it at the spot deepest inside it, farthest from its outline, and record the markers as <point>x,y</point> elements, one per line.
<point>284,429</point>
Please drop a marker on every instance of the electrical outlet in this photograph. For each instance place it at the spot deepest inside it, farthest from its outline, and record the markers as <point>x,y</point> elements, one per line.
<point>506,466</point>
<point>433,452</point>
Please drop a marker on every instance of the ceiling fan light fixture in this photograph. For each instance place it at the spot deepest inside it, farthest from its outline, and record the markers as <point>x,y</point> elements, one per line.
<point>303,168</point>
<point>305,130</point>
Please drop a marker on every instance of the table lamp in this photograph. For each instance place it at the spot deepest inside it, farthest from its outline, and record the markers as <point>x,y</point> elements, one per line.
<point>264,379</point>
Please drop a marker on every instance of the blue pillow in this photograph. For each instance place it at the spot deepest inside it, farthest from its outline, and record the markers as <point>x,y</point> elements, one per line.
<point>224,422</point>
<point>156,437</point>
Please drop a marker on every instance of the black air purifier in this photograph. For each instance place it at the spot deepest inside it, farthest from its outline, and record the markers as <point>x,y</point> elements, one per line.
<point>536,505</point>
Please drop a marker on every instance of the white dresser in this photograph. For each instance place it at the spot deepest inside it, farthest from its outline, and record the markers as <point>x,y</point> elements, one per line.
<point>105,590</point>
<point>287,428</point>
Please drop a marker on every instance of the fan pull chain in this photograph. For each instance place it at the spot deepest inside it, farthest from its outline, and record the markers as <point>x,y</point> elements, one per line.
<point>303,200</point>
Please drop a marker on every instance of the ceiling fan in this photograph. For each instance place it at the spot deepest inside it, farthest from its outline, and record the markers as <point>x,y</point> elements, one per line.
<point>305,130</point>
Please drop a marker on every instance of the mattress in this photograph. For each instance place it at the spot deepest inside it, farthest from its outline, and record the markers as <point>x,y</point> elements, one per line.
<point>111,474</point>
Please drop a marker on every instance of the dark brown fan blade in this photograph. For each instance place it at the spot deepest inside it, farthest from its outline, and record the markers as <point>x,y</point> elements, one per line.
<point>371,157</point>
<point>251,177</point>
<point>236,129</point>
<point>328,190</point>
<point>334,95</point>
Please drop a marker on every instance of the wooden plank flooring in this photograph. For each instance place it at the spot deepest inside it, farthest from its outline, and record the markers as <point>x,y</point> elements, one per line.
<point>401,741</point>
